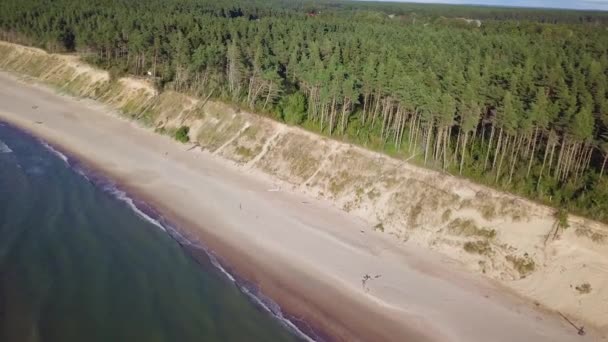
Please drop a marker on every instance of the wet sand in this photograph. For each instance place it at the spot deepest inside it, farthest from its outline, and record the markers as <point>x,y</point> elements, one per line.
<point>303,253</point>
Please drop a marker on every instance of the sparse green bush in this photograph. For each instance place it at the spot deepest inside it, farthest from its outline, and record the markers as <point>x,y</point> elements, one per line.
<point>244,152</point>
<point>293,109</point>
<point>585,231</point>
<point>116,72</point>
<point>181,134</point>
<point>561,219</point>
<point>524,265</point>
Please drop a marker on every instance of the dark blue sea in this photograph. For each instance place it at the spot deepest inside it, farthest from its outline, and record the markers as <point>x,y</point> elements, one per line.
<point>81,261</point>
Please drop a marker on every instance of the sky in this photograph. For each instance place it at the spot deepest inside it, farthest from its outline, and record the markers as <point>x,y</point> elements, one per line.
<point>571,4</point>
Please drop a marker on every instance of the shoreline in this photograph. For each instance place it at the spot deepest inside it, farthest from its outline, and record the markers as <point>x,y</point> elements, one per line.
<point>230,261</point>
<point>197,250</point>
<point>314,263</point>
<point>298,314</point>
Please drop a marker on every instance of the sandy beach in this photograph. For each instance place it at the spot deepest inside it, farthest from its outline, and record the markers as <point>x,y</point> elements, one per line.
<point>304,253</point>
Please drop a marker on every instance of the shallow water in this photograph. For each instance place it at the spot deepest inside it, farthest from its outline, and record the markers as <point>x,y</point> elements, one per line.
<point>77,263</point>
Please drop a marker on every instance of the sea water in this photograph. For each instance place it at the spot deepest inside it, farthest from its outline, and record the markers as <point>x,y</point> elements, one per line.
<point>80,261</point>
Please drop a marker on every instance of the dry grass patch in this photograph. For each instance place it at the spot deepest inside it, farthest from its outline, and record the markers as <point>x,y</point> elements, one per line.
<point>244,153</point>
<point>584,288</point>
<point>481,247</point>
<point>596,237</point>
<point>414,214</point>
<point>447,214</point>
<point>295,158</point>
<point>249,144</point>
<point>467,227</point>
<point>339,182</point>
<point>215,133</point>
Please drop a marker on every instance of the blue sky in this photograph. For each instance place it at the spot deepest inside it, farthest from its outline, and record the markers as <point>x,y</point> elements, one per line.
<point>572,4</point>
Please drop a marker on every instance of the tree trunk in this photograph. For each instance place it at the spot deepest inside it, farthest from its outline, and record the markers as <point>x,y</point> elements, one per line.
<point>457,145</point>
<point>412,131</point>
<point>502,156</point>
<point>446,141</point>
<point>485,164</point>
<point>438,142</point>
<point>343,118</point>
<point>428,141</point>
<point>267,96</point>
<point>322,115</point>
<point>551,155</point>
<point>498,146</point>
<point>416,133</point>
<point>384,115</point>
<point>533,151</point>
<point>376,108</point>
<point>542,167</point>
<point>559,159</point>
<point>365,105</point>
<point>514,159</point>
<point>567,161</point>
<point>154,67</point>
<point>400,127</point>
<point>464,150</point>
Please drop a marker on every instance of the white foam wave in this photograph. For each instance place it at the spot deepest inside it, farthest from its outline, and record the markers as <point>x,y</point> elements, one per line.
<point>4,148</point>
<point>176,235</point>
<point>184,241</point>
<point>274,309</point>
<point>219,267</point>
<point>57,153</point>
<point>121,195</point>
<point>82,173</point>
<point>264,302</point>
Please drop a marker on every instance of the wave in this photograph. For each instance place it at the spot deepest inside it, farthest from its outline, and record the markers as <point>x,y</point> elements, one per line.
<point>251,291</point>
<point>121,195</point>
<point>82,173</point>
<point>217,265</point>
<point>54,151</point>
<point>275,310</point>
<point>210,255</point>
<point>4,148</point>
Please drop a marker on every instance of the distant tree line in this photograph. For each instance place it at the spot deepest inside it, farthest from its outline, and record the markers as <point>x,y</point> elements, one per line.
<point>518,104</point>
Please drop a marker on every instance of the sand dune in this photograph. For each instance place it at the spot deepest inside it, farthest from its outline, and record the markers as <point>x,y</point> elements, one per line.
<point>303,252</point>
<point>492,233</point>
